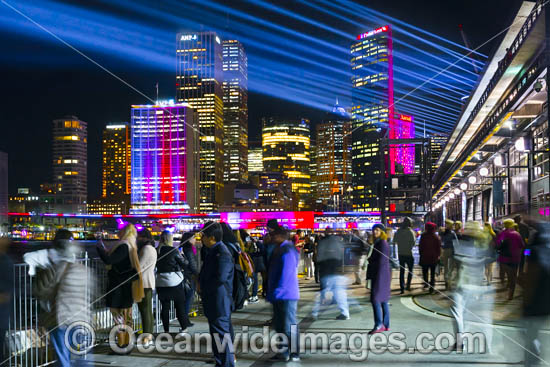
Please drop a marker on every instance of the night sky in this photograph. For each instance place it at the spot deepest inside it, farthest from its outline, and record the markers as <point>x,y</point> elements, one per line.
<point>43,80</point>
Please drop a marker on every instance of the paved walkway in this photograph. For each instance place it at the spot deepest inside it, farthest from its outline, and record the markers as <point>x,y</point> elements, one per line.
<point>411,314</point>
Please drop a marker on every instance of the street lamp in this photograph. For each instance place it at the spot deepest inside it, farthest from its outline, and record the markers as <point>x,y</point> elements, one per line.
<point>447,199</point>
<point>452,195</point>
<point>463,186</point>
<point>484,171</point>
<point>472,179</point>
<point>457,191</point>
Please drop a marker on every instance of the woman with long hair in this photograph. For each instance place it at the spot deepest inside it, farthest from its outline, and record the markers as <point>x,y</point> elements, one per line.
<point>125,283</point>
<point>170,281</point>
<point>147,260</point>
<point>379,271</point>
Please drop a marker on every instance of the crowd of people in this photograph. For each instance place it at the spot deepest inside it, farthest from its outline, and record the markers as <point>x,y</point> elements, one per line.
<point>229,269</point>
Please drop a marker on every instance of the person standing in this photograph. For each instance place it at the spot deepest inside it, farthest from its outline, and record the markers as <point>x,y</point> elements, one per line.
<point>125,283</point>
<point>490,252</point>
<point>269,246</point>
<point>256,251</point>
<point>448,239</point>
<point>216,287</point>
<point>309,247</point>
<point>509,246</point>
<point>191,270</point>
<point>283,294</point>
<point>405,240</point>
<point>430,252</point>
<point>379,272</point>
<point>330,259</point>
<point>170,281</point>
<point>147,261</point>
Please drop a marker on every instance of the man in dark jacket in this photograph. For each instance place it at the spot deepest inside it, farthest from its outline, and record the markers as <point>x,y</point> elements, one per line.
<point>216,287</point>
<point>405,240</point>
<point>191,271</point>
<point>283,293</point>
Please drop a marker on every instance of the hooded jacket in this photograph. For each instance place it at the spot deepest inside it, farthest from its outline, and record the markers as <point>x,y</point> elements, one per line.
<point>430,246</point>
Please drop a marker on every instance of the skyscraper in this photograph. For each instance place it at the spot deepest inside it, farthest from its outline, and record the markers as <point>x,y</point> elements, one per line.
<point>333,156</point>
<point>255,155</point>
<point>437,144</point>
<point>199,83</point>
<point>286,145</point>
<point>372,113</point>
<point>235,112</point>
<point>70,155</point>
<point>164,159</point>
<point>116,162</point>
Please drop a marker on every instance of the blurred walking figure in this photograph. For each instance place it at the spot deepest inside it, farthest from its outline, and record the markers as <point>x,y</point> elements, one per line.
<point>359,249</point>
<point>256,252</point>
<point>216,287</point>
<point>125,283</point>
<point>170,281</point>
<point>457,227</point>
<point>6,293</point>
<point>379,271</point>
<point>269,246</point>
<point>309,247</point>
<point>536,297</point>
<point>509,246</point>
<point>491,253</point>
<point>405,240</point>
<point>430,252</point>
<point>330,259</point>
<point>448,239</point>
<point>60,286</point>
<point>471,299</point>
<point>190,271</point>
<point>147,261</point>
<point>283,293</point>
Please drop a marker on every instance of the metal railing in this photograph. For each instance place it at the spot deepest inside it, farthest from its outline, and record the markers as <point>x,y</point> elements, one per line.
<point>27,342</point>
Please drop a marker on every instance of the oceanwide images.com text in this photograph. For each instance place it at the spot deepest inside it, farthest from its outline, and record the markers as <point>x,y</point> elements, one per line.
<point>356,345</point>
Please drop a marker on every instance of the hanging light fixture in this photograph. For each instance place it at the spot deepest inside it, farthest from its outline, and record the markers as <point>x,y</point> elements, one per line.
<point>484,171</point>
<point>447,199</point>
<point>457,191</point>
<point>472,179</point>
<point>452,195</point>
<point>463,186</point>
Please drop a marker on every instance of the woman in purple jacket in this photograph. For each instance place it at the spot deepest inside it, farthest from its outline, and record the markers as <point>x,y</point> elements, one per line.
<point>509,245</point>
<point>379,271</point>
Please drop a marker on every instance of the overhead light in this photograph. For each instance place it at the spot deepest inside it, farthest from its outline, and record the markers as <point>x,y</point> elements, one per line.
<point>484,171</point>
<point>457,191</point>
<point>510,124</point>
<point>452,195</point>
<point>463,186</point>
<point>499,161</point>
<point>521,145</point>
<point>447,199</point>
<point>472,179</point>
<point>538,85</point>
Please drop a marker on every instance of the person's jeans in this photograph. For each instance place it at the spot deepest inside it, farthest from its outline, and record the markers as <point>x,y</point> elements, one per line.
<point>337,285</point>
<point>425,269</point>
<point>146,311</point>
<point>511,271</point>
<point>308,259</point>
<point>57,337</point>
<point>255,284</point>
<point>176,294</point>
<point>284,322</point>
<point>405,261</point>
<point>381,311</point>
<point>222,329</point>
<point>360,272</point>
<point>449,264</point>
<point>316,272</point>
<point>189,296</point>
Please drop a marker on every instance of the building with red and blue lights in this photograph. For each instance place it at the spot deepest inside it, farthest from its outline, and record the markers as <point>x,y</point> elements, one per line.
<point>164,159</point>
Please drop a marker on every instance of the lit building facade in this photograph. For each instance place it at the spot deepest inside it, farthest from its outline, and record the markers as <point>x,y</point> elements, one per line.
<point>255,162</point>
<point>164,159</point>
<point>235,112</point>
<point>70,175</point>
<point>333,173</point>
<point>199,83</point>
<point>116,180</point>
<point>286,145</point>
<point>437,144</point>
<point>372,107</point>
<point>402,156</point>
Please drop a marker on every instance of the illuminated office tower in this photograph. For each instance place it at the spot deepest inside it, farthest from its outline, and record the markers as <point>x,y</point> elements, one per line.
<point>286,145</point>
<point>255,163</point>
<point>164,159</point>
<point>70,155</point>
<point>199,83</point>
<point>402,156</point>
<point>333,156</point>
<point>437,144</point>
<point>235,112</point>
<point>372,107</point>
<point>116,162</point>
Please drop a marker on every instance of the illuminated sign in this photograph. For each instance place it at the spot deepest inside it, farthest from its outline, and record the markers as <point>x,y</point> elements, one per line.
<point>373,32</point>
<point>251,220</point>
<point>404,117</point>
<point>188,37</point>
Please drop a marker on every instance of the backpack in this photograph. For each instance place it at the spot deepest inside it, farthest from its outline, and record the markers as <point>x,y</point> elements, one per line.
<point>240,278</point>
<point>504,248</point>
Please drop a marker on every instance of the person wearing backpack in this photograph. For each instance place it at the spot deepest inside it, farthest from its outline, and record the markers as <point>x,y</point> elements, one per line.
<point>216,288</point>
<point>170,281</point>
<point>60,286</point>
<point>509,246</point>
<point>241,277</point>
